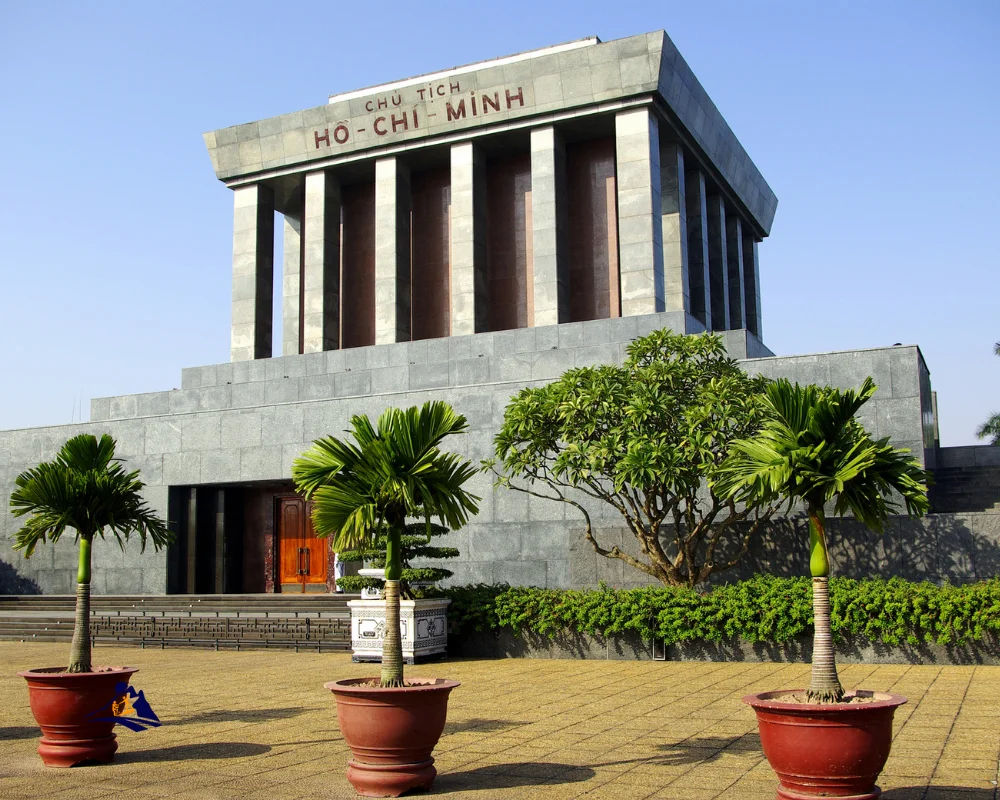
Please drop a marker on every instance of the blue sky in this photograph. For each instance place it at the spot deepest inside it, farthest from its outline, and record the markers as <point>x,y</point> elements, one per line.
<point>875,124</point>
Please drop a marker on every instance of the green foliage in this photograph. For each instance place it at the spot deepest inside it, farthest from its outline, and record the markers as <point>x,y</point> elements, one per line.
<point>763,609</point>
<point>390,472</point>
<point>86,489</point>
<point>812,448</point>
<point>416,544</point>
<point>991,428</point>
<point>648,438</point>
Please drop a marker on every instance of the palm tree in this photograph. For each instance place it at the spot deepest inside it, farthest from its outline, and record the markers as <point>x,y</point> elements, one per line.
<point>391,472</point>
<point>88,490</point>
<point>991,428</point>
<point>813,449</point>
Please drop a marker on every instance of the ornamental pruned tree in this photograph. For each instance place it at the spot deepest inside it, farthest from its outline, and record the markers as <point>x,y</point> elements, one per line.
<point>415,543</point>
<point>647,438</point>
<point>991,428</point>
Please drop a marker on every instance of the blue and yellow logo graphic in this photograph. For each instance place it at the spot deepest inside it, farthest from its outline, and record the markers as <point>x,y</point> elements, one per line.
<point>129,708</point>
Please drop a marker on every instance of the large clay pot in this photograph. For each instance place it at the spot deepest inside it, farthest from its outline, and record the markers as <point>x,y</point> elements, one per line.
<point>834,750</point>
<point>391,732</point>
<point>67,707</point>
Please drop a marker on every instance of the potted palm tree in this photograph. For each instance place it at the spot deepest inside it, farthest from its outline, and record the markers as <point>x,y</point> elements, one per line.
<point>824,741</point>
<point>87,490</point>
<point>390,472</point>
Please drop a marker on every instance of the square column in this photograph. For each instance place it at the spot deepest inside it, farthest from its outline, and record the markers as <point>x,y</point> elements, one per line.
<point>469,301</point>
<point>291,287</point>
<point>734,255</point>
<point>549,223</point>
<point>640,227</point>
<point>321,264</point>
<point>253,272</point>
<point>697,229</point>
<point>751,279</point>
<point>718,262</point>
<point>676,286</point>
<point>392,251</point>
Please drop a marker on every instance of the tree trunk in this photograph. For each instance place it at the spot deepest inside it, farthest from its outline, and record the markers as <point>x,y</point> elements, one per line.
<point>824,687</point>
<point>392,644</point>
<point>79,657</point>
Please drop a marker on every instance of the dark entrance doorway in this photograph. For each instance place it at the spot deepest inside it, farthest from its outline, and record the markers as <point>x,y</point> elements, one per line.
<point>302,559</point>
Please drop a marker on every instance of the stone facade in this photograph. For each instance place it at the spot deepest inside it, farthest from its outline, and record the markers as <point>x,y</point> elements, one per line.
<point>243,423</point>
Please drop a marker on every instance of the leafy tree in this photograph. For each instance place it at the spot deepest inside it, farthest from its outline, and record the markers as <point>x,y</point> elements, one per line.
<point>414,543</point>
<point>390,472</point>
<point>647,438</point>
<point>813,449</point>
<point>991,428</point>
<point>86,489</point>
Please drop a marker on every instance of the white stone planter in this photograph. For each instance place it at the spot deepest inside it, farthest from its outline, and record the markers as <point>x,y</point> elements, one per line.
<point>423,625</point>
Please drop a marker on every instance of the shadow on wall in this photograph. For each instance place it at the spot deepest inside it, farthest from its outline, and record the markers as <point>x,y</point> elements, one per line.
<point>13,582</point>
<point>938,548</point>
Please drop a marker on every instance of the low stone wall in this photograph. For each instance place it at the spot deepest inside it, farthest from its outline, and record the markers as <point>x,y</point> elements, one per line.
<point>852,650</point>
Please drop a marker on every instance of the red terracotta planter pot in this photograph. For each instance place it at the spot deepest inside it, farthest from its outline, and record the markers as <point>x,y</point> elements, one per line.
<point>835,750</point>
<point>391,732</point>
<point>66,705</point>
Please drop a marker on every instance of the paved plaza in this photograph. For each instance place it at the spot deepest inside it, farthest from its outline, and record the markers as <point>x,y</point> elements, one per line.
<point>260,725</point>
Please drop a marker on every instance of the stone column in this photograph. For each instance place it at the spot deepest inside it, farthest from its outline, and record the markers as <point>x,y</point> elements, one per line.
<point>718,262</point>
<point>392,251</point>
<point>697,230</point>
<point>640,227</point>
<point>321,264</point>
<point>253,272</point>
<point>469,301</point>
<point>751,279</point>
<point>676,288</point>
<point>550,278</point>
<point>291,283</point>
<point>734,256</point>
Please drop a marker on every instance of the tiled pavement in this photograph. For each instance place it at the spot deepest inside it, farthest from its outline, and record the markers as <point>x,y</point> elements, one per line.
<point>260,725</point>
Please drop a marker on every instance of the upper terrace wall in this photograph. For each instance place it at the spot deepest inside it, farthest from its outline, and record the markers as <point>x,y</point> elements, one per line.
<point>246,422</point>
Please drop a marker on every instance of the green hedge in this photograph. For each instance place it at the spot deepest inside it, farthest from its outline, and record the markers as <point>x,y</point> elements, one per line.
<point>763,609</point>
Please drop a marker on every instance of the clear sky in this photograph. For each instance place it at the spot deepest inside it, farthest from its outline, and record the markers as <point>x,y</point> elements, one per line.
<point>874,123</point>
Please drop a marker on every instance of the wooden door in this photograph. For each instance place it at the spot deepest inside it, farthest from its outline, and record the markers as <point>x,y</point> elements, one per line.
<point>302,556</point>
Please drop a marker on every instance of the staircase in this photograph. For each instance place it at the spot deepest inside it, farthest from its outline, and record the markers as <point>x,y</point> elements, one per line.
<point>961,489</point>
<point>217,621</point>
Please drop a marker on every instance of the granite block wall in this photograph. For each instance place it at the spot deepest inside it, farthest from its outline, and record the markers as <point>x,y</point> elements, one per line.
<point>247,421</point>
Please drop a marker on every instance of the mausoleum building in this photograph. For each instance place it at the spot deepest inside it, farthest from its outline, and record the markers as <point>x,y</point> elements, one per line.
<point>457,236</point>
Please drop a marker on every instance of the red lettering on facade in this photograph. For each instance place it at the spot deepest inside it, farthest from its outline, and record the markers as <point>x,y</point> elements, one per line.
<point>454,88</point>
<point>458,113</point>
<point>487,102</point>
<point>397,99</point>
<point>397,122</point>
<point>369,106</point>
<point>440,89</point>
<point>511,97</point>
<point>324,138</point>
<point>415,125</point>
<point>473,105</point>
<point>341,134</point>
<point>375,126</point>
<point>420,92</point>
<point>382,103</point>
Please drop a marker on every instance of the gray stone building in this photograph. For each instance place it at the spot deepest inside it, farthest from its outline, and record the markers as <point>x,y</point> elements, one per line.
<point>456,235</point>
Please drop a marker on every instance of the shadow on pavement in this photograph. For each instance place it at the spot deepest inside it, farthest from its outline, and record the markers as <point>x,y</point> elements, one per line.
<point>186,752</point>
<point>705,750</point>
<point>482,726</point>
<point>9,734</point>
<point>249,715</point>
<point>511,776</point>
<point>937,793</point>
